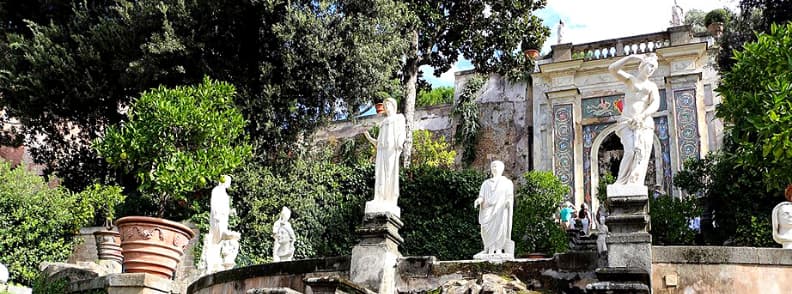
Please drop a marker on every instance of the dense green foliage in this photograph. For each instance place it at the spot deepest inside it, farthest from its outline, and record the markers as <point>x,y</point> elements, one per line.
<point>438,214</point>
<point>38,223</point>
<point>535,229</point>
<point>757,104</point>
<point>467,115</point>
<point>733,194</point>
<point>716,15</point>
<point>439,95</point>
<point>178,141</point>
<point>294,63</point>
<point>671,218</point>
<point>431,150</point>
<point>326,200</point>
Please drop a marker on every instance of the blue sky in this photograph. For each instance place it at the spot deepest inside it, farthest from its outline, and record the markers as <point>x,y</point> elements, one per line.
<point>593,20</point>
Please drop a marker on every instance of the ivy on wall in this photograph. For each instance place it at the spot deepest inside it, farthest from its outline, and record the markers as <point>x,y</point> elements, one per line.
<point>467,113</point>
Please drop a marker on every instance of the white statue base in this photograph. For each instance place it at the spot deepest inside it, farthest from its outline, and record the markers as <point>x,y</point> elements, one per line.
<point>375,206</point>
<point>627,190</point>
<point>494,256</point>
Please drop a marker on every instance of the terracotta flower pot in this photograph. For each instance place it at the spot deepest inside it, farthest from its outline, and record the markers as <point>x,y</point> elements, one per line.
<point>152,245</point>
<point>788,193</point>
<point>108,245</point>
<point>380,107</point>
<point>531,53</point>
<point>536,255</point>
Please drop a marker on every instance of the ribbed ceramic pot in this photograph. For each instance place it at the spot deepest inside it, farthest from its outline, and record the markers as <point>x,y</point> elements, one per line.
<point>108,245</point>
<point>152,245</point>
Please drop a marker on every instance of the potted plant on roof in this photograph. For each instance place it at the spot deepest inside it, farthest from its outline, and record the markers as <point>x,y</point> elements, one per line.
<point>714,21</point>
<point>174,141</point>
<point>531,44</point>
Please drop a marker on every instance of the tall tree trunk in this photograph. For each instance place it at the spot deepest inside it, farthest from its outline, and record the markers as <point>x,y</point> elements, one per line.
<point>410,84</point>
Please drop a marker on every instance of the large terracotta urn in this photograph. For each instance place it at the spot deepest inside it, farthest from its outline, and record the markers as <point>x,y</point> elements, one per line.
<point>152,245</point>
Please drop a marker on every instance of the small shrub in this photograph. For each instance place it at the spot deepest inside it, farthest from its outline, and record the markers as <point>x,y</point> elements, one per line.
<point>430,151</point>
<point>440,95</point>
<point>537,201</point>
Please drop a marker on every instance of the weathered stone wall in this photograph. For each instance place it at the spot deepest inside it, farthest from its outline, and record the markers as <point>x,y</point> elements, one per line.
<point>504,114</point>
<point>703,269</point>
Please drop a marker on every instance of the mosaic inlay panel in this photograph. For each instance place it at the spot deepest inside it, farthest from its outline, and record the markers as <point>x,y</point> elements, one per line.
<point>687,124</point>
<point>564,137</point>
<point>603,107</point>
<point>589,133</point>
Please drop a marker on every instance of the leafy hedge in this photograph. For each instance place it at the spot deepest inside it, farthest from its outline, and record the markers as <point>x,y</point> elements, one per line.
<point>38,223</point>
<point>537,200</point>
<point>671,219</point>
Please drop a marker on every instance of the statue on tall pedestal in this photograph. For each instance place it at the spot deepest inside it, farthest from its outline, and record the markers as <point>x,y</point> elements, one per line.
<point>676,14</point>
<point>496,199</point>
<point>636,125</point>
<point>389,145</point>
<point>221,245</point>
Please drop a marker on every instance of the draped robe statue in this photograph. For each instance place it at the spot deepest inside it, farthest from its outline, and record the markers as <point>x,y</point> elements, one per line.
<point>636,125</point>
<point>221,245</point>
<point>496,199</point>
<point>389,145</point>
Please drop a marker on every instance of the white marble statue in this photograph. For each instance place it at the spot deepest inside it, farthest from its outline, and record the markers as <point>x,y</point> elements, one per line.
<point>561,32</point>
<point>496,199</point>
<point>389,145</point>
<point>3,274</point>
<point>282,232</point>
<point>218,254</point>
<point>636,125</point>
<point>782,224</point>
<point>676,14</point>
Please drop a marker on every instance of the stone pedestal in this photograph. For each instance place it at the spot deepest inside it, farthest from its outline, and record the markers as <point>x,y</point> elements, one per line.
<point>374,258</point>
<point>629,242</point>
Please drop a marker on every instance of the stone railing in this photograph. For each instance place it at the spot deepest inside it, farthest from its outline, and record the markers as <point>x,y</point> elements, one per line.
<point>621,47</point>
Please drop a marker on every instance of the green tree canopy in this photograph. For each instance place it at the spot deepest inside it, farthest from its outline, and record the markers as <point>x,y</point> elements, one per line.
<point>294,64</point>
<point>757,105</point>
<point>178,141</point>
<point>488,33</point>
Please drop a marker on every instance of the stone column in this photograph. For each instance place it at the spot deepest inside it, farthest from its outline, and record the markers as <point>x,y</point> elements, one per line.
<point>629,242</point>
<point>374,258</point>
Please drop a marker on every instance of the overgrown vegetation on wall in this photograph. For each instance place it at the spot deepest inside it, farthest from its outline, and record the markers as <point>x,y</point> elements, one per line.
<point>467,114</point>
<point>435,96</point>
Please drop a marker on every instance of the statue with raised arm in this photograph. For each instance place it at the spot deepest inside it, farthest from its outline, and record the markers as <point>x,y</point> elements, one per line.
<point>636,125</point>
<point>389,143</point>
<point>496,199</point>
<point>221,245</point>
<point>282,232</point>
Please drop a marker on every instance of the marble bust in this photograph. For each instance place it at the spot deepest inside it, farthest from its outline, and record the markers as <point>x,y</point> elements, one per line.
<point>221,245</point>
<point>782,224</point>
<point>284,238</point>
<point>389,143</point>
<point>635,124</point>
<point>496,202</point>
